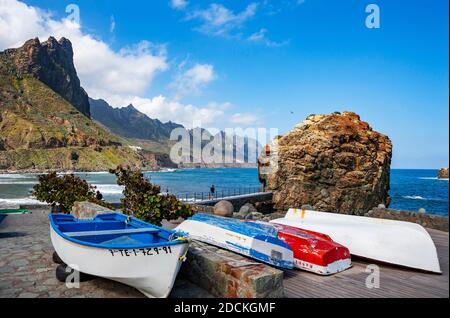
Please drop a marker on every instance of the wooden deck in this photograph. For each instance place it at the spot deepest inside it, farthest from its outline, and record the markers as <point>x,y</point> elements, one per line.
<point>395,282</point>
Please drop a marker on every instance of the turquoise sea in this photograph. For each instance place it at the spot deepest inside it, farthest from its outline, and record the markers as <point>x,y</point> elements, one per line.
<point>410,189</point>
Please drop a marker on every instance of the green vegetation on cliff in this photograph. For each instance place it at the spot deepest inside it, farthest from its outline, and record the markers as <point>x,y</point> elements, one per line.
<point>40,130</point>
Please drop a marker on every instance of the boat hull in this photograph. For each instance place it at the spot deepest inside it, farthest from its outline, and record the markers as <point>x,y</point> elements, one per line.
<point>315,252</point>
<point>395,242</point>
<point>151,271</point>
<point>267,249</point>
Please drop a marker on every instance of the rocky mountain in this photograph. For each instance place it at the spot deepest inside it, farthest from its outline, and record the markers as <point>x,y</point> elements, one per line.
<point>50,62</point>
<point>335,163</point>
<point>130,123</point>
<point>152,134</point>
<point>44,121</point>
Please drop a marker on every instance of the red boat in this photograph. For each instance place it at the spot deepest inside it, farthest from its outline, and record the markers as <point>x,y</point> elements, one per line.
<point>315,252</point>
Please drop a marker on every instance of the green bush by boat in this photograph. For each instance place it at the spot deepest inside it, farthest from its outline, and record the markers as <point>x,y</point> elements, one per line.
<point>63,191</point>
<point>143,199</point>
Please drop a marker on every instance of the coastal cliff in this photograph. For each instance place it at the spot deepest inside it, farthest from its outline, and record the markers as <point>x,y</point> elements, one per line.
<point>50,62</point>
<point>335,163</point>
<point>44,118</point>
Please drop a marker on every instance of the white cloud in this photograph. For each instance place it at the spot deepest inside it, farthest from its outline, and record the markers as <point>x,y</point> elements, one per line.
<point>178,4</point>
<point>112,26</point>
<point>261,37</point>
<point>245,119</point>
<point>193,80</point>
<point>186,114</point>
<point>218,20</point>
<point>258,36</point>
<point>19,22</point>
<point>121,77</point>
<point>102,71</point>
<point>213,114</point>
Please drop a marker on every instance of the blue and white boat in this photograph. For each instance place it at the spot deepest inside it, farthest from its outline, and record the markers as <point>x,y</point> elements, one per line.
<point>121,248</point>
<point>256,240</point>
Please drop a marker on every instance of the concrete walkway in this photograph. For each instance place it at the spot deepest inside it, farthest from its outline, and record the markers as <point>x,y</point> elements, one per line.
<point>27,269</point>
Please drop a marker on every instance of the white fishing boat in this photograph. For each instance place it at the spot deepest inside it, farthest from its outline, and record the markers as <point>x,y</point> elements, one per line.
<point>395,242</point>
<point>256,240</point>
<point>120,248</point>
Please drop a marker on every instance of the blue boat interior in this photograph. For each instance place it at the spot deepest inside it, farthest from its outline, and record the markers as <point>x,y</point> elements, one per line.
<point>112,230</point>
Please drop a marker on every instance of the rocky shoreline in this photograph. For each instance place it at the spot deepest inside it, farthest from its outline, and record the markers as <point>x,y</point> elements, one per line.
<point>43,171</point>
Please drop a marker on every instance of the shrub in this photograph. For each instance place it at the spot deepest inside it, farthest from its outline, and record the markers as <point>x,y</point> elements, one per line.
<point>64,191</point>
<point>143,199</point>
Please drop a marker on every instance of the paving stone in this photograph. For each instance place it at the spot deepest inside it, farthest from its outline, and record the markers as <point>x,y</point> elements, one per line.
<point>7,269</point>
<point>44,270</point>
<point>19,263</point>
<point>9,291</point>
<point>51,282</point>
<point>28,295</point>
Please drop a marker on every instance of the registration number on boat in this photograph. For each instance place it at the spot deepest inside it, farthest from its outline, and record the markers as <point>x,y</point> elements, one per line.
<point>141,251</point>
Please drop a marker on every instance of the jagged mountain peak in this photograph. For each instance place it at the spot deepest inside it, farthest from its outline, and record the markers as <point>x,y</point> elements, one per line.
<point>51,62</point>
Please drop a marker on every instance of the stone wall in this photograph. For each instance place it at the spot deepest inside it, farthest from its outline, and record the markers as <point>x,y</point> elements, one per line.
<point>239,200</point>
<point>228,275</point>
<point>426,220</point>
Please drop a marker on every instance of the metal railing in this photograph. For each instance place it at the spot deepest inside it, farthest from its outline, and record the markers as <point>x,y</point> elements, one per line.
<point>218,194</point>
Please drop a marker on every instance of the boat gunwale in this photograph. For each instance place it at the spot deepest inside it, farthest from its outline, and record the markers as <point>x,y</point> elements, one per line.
<point>14,211</point>
<point>55,228</point>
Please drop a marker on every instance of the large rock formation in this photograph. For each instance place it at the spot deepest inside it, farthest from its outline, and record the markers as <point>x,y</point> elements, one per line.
<point>51,62</point>
<point>443,173</point>
<point>335,163</point>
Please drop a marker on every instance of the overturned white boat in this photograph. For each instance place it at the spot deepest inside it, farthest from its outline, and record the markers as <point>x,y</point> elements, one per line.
<point>395,242</point>
<point>256,240</point>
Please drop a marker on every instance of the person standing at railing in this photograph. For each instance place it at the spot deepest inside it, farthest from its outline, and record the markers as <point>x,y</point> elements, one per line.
<point>212,191</point>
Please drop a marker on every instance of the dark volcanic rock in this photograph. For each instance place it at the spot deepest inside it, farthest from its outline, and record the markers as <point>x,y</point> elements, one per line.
<point>335,163</point>
<point>51,62</point>
<point>435,222</point>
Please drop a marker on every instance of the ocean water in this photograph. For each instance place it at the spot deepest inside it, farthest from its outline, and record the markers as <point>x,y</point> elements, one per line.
<point>410,189</point>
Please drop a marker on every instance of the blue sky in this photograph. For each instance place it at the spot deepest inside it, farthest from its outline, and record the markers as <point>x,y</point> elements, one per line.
<point>268,63</point>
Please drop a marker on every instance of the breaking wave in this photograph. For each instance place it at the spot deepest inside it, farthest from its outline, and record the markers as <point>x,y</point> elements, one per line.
<point>109,188</point>
<point>432,178</point>
<point>22,201</point>
<point>18,182</point>
<point>414,197</point>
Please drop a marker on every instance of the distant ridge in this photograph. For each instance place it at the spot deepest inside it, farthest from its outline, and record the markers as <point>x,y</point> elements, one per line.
<point>128,122</point>
<point>152,134</point>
